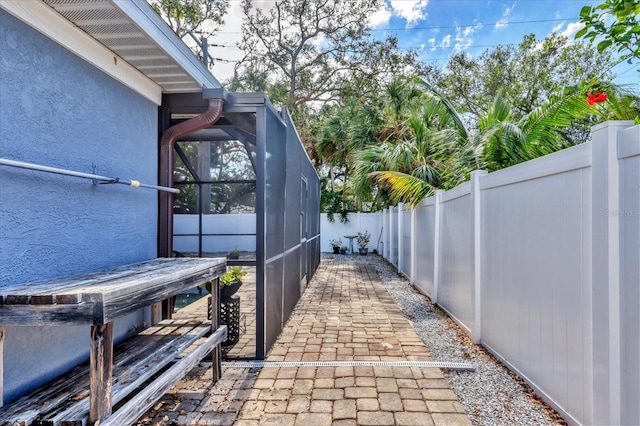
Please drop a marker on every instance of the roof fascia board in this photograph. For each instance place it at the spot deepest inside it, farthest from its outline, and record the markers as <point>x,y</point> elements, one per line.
<point>141,13</point>
<point>48,22</point>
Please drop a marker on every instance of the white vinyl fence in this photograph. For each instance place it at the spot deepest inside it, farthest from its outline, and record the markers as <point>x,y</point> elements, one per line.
<point>540,263</point>
<point>220,232</point>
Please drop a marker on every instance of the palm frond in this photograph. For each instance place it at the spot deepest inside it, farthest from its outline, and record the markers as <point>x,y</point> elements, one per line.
<point>402,187</point>
<point>541,126</point>
<point>459,125</point>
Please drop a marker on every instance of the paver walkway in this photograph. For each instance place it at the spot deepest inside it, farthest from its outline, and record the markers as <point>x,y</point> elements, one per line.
<point>345,314</point>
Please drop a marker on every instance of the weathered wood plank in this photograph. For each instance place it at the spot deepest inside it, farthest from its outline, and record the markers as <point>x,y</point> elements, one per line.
<point>216,354</point>
<point>42,300</point>
<point>139,404</point>
<point>69,388</point>
<point>67,299</point>
<point>46,315</point>
<point>141,296</point>
<point>98,298</point>
<point>87,279</point>
<point>16,299</point>
<point>172,272</point>
<point>150,358</point>
<point>156,313</point>
<point>65,401</point>
<point>107,278</point>
<point>101,371</point>
<point>117,298</point>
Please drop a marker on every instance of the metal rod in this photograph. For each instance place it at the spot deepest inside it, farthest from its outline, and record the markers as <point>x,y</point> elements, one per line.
<point>428,364</point>
<point>133,183</point>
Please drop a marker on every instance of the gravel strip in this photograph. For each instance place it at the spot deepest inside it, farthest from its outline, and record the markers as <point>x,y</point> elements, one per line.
<point>492,394</point>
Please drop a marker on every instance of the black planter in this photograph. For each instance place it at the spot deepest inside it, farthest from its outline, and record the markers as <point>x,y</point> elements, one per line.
<point>364,251</point>
<point>229,290</point>
<point>336,250</point>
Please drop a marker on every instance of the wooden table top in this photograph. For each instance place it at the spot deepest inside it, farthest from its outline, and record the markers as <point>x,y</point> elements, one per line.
<point>107,294</point>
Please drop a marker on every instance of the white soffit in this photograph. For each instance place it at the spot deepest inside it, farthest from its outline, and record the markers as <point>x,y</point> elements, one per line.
<point>124,38</point>
<point>42,18</point>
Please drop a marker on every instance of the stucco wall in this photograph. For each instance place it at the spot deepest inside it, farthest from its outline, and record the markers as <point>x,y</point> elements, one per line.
<point>59,111</point>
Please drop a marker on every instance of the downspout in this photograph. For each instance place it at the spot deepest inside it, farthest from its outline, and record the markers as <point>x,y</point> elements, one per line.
<point>167,141</point>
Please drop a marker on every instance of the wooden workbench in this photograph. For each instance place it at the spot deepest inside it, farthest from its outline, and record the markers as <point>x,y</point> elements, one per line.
<point>97,299</point>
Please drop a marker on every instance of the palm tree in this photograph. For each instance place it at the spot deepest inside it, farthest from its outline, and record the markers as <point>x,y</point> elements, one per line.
<point>505,142</point>
<point>435,157</point>
<point>414,151</point>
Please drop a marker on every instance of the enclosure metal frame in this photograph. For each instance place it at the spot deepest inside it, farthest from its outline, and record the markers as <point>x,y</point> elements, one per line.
<point>244,118</point>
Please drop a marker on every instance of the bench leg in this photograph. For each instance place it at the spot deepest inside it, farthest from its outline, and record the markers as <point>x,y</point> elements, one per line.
<point>216,354</point>
<point>101,365</point>
<point>156,313</point>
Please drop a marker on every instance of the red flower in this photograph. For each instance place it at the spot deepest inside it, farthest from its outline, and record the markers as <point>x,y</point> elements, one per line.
<point>592,99</point>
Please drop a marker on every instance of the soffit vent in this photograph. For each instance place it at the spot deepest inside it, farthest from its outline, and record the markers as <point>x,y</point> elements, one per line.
<point>110,27</point>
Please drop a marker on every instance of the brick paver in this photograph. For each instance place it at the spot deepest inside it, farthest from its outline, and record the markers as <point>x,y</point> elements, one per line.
<point>345,314</point>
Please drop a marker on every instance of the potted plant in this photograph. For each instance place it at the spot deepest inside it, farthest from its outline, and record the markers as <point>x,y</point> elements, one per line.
<point>231,281</point>
<point>343,250</point>
<point>234,254</point>
<point>363,240</point>
<point>335,245</point>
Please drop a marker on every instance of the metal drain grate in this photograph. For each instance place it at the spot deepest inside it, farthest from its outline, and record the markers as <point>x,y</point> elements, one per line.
<point>266,364</point>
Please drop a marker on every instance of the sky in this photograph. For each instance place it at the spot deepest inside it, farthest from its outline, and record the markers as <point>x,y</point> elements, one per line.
<point>440,28</point>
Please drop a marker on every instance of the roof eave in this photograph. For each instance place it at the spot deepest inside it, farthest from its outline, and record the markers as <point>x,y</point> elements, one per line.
<point>141,13</point>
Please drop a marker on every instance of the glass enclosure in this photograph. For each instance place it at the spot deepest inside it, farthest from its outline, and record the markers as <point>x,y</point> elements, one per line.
<point>250,193</point>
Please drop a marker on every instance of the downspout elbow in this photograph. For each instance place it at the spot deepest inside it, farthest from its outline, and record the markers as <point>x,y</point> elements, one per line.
<point>167,141</point>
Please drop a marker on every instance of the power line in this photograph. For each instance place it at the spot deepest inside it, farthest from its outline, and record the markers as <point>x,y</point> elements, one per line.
<point>476,24</point>
<point>449,27</point>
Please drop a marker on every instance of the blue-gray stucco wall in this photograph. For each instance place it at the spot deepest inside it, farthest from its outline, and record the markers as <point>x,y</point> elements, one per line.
<point>57,110</point>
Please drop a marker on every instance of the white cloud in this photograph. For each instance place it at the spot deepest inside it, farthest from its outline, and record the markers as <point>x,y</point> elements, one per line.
<point>464,36</point>
<point>445,43</point>
<point>381,18</point>
<point>572,29</point>
<point>411,10</point>
<point>504,19</point>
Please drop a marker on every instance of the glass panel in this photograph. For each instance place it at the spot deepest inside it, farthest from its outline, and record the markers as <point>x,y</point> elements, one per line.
<point>187,201</point>
<point>225,171</point>
<point>233,198</point>
<point>230,161</point>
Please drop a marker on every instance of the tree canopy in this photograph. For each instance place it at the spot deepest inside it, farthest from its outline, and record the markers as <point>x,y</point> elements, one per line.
<point>526,74</point>
<point>312,51</point>
<point>191,15</point>
<point>378,135</point>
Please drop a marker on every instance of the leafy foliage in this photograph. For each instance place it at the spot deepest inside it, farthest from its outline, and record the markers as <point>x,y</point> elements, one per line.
<point>334,202</point>
<point>233,274</point>
<point>621,33</point>
<point>526,74</point>
<point>203,17</point>
<point>413,152</point>
<point>310,52</point>
<point>185,15</point>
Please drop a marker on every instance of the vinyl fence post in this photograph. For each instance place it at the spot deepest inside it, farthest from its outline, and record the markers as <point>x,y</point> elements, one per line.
<point>605,291</point>
<point>383,234</point>
<point>392,241</point>
<point>477,254</point>
<point>414,240</point>
<point>387,233</point>
<point>437,232</point>
<point>399,239</point>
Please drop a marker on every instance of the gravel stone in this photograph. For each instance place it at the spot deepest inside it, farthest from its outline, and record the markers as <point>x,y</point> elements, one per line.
<point>492,394</point>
